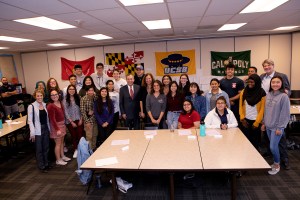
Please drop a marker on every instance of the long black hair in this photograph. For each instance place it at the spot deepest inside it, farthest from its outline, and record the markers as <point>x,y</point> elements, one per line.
<point>84,86</point>
<point>100,103</point>
<point>76,96</point>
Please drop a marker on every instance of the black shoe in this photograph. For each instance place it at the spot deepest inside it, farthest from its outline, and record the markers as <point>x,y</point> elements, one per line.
<point>286,164</point>
<point>266,155</point>
<point>44,170</point>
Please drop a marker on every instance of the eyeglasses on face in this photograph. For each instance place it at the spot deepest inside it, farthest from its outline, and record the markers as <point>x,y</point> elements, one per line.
<point>186,104</point>
<point>53,95</point>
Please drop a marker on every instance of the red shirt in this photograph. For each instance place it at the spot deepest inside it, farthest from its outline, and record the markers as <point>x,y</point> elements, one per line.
<point>187,120</point>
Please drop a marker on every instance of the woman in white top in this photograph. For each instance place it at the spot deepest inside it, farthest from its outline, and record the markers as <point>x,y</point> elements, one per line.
<point>220,117</point>
<point>114,96</point>
<point>118,81</point>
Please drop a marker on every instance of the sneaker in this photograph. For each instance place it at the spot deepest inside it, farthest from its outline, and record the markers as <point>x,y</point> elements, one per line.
<point>65,149</point>
<point>75,154</point>
<point>65,158</point>
<point>274,170</point>
<point>61,162</point>
<point>123,185</point>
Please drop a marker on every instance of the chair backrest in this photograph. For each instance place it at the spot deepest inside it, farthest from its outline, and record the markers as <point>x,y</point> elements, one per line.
<point>122,128</point>
<point>150,128</point>
<point>295,97</point>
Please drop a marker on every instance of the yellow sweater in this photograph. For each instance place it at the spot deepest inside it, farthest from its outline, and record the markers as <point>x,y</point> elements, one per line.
<point>260,106</point>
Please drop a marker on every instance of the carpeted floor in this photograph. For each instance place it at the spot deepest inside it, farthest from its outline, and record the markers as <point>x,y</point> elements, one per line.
<point>20,179</point>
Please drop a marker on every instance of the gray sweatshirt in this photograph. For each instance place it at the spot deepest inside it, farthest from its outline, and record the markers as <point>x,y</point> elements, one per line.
<point>277,110</point>
<point>156,105</point>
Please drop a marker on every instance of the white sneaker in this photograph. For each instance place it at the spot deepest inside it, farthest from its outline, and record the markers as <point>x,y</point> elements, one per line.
<point>61,162</point>
<point>123,185</point>
<point>65,158</point>
<point>274,170</point>
<point>75,154</point>
<point>65,149</point>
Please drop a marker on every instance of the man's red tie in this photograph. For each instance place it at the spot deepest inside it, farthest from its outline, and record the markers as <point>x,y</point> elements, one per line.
<point>131,92</point>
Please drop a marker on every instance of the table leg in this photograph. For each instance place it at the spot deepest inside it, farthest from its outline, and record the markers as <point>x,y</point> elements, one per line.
<point>114,186</point>
<point>171,186</point>
<point>233,186</point>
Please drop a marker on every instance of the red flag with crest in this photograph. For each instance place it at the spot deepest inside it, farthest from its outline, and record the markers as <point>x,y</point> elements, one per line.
<point>67,67</point>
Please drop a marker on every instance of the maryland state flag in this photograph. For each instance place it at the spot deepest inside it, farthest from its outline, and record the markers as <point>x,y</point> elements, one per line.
<point>176,62</point>
<point>67,67</point>
<point>120,61</point>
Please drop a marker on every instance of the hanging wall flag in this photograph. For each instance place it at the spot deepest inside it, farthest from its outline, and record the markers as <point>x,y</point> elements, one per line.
<point>124,63</point>
<point>175,63</point>
<point>67,67</point>
<point>219,60</point>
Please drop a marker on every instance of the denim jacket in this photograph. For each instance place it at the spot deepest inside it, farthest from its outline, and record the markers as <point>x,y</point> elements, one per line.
<point>84,152</point>
<point>199,104</point>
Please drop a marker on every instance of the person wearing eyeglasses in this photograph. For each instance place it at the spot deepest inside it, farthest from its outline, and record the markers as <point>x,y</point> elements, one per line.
<point>57,126</point>
<point>220,117</point>
<point>189,118</point>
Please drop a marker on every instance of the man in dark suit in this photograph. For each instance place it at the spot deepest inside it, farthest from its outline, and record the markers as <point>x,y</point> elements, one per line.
<point>130,103</point>
<point>268,66</point>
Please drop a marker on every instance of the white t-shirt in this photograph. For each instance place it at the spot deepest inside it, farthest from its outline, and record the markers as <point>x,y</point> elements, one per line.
<point>118,84</point>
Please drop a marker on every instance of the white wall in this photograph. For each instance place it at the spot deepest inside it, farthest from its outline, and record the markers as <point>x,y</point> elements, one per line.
<point>18,62</point>
<point>281,48</point>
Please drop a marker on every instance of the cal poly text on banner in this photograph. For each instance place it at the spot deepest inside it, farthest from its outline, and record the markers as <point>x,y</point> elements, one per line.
<point>175,62</point>
<point>241,60</point>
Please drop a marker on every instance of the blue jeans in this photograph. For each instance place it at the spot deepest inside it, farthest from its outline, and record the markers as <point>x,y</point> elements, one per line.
<point>274,143</point>
<point>172,119</point>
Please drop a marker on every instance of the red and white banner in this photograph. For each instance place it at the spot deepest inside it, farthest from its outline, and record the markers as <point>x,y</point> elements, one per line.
<point>67,67</point>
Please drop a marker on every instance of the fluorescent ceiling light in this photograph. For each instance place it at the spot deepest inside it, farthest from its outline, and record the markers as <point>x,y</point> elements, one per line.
<point>45,22</point>
<point>285,28</point>
<point>14,39</point>
<point>139,2</point>
<point>263,6</point>
<point>157,24</point>
<point>97,37</point>
<point>4,47</point>
<point>58,45</point>
<point>227,27</point>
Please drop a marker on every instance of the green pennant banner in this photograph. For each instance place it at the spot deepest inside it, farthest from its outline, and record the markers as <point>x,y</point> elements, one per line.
<point>219,60</point>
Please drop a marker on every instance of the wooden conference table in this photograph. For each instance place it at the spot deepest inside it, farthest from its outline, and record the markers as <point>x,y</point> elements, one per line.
<point>295,110</point>
<point>171,152</point>
<point>12,128</point>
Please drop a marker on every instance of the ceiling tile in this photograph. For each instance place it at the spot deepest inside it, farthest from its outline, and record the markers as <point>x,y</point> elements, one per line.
<point>227,7</point>
<point>244,18</point>
<point>8,12</point>
<point>188,9</point>
<point>149,12</point>
<point>85,5</point>
<point>215,20</point>
<point>186,22</point>
<point>103,29</point>
<point>41,7</point>
<point>137,26</point>
<point>113,16</point>
<point>78,19</point>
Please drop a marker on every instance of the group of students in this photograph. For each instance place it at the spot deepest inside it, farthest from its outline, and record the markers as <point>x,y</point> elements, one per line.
<point>88,106</point>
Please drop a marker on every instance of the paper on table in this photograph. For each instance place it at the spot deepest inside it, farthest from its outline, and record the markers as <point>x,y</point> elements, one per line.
<point>16,122</point>
<point>184,132</point>
<point>106,161</point>
<point>120,142</point>
<point>152,132</point>
<point>212,132</point>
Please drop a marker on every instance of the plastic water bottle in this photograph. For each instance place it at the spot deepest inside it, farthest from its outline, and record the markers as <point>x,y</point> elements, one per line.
<point>1,124</point>
<point>98,185</point>
<point>172,128</point>
<point>202,129</point>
